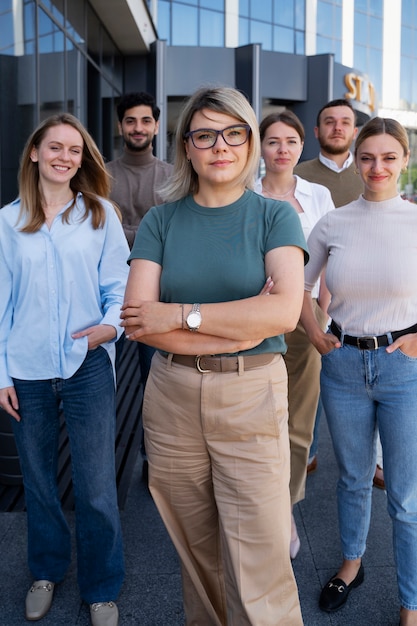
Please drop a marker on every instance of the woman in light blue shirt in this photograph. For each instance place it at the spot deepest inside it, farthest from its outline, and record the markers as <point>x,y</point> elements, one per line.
<point>62,273</point>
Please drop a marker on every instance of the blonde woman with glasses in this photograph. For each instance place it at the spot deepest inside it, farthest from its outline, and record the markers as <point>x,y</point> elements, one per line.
<point>216,279</point>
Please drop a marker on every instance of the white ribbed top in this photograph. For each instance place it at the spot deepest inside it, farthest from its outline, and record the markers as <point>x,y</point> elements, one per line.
<point>371,253</point>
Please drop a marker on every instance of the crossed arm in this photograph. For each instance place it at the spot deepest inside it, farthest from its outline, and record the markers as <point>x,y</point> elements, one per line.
<point>226,326</point>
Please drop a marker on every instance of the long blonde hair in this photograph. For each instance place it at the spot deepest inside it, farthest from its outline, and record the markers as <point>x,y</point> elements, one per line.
<point>184,179</point>
<point>92,179</point>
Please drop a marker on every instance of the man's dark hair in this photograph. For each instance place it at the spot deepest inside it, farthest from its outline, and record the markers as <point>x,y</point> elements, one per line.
<point>135,99</point>
<point>340,102</point>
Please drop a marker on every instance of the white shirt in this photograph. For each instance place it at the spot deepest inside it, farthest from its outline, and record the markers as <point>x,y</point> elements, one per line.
<point>332,165</point>
<point>315,200</point>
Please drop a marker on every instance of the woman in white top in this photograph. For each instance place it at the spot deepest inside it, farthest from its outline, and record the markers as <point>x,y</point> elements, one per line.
<point>282,140</point>
<point>369,357</point>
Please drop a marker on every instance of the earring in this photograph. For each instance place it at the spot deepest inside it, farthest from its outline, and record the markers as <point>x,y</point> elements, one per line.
<point>404,169</point>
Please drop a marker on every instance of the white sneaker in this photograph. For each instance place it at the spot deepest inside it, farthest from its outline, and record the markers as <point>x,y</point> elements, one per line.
<point>104,614</point>
<point>39,599</point>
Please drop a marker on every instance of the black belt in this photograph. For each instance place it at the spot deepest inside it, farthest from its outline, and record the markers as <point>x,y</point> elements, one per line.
<point>206,363</point>
<point>370,343</point>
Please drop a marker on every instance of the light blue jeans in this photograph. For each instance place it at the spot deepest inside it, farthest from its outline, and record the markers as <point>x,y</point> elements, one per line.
<point>88,399</point>
<point>362,390</point>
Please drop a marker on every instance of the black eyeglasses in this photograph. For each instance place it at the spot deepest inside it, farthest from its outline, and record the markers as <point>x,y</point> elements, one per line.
<point>203,138</point>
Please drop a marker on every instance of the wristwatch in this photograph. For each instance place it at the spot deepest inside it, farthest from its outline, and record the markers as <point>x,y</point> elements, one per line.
<point>194,318</point>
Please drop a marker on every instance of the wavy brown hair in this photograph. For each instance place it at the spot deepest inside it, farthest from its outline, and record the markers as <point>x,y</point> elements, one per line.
<point>92,179</point>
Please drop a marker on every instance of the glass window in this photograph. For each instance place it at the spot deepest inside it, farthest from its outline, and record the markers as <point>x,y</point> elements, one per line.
<point>260,32</point>
<point>211,28</point>
<point>244,8</point>
<point>7,39</point>
<point>300,14</point>
<point>283,39</point>
<point>93,35</point>
<point>51,63</point>
<point>56,8</point>
<point>51,38</point>
<point>300,44</point>
<point>217,5</point>
<point>29,23</point>
<point>184,25</point>
<point>164,21</point>
<point>261,10</point>
<point>324,19</point>
<point>360,25</point>
<point>76,85</point>
<point>75,20</point>
<point>284,12</point>
<point>243,31</point>
<point>375,32</point>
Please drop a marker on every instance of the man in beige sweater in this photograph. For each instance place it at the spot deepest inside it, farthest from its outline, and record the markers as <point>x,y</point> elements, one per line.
<point>136,176</point>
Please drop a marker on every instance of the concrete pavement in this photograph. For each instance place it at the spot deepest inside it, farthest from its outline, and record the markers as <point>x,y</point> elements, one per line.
<point>151,595</point>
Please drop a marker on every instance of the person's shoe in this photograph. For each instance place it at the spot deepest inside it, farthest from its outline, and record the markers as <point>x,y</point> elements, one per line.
<point>39,599</point>
<point>104,614</point>
<point>312,466</point>
<point>379,478</point>
<point>336,592</point>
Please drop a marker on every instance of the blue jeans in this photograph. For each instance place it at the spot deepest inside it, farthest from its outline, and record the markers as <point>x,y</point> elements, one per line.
<point>363,390</point>
<point>88,400</point>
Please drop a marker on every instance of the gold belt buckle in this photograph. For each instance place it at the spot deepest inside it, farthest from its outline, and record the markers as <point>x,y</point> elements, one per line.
<point>198,366</point>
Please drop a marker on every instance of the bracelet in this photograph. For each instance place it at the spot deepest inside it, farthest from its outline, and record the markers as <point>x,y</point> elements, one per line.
<point>182,316</point>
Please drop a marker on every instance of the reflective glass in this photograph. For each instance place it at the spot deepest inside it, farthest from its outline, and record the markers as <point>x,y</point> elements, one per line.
<point>406,40</point>
<point>244,8</point>
<point>284,12</point>
<point>300,14</point>
<point>300,44</point>
<point>51,63</point>
<point>76,83</point>
<point>93,35</point>
<point>261,10</point>
<point>193,2</point>
<point>260,32</point>
<point>375,32</point>
<point>243,31</point>
<point>163,26</point>
<point>51,38</point>
<point>361,28</point>
<point>283,39</point>
<point>56,8</point>
<point>217,5</point>
<point>211,28</point>
<point>75,20</point>
<point>324,19</point>
<point>184,25</point>
<point>7,39</point>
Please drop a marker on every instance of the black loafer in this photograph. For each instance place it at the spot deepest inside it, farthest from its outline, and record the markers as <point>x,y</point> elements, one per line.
<point>335,593</point>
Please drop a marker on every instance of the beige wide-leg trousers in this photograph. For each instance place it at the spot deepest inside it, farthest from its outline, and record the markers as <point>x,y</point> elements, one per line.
<point>218,453</point>
<point>303,365</point>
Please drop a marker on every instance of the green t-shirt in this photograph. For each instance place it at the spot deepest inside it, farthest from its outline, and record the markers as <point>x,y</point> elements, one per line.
<point>217,254</point>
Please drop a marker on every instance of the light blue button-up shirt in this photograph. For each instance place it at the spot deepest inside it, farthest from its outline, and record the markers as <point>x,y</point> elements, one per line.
<point>54,283</point>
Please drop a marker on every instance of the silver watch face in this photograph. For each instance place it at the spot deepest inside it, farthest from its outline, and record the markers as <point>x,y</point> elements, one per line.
<point>194,320</point>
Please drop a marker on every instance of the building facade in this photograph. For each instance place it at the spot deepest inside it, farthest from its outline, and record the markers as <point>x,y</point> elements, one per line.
<point>81,55</point>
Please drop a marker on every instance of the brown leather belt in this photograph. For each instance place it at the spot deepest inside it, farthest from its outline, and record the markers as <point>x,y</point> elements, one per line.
<point>205,363</point>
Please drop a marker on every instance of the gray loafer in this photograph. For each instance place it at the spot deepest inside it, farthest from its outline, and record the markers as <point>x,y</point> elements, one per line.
<point>104,614</point>
<point>39,599</point>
